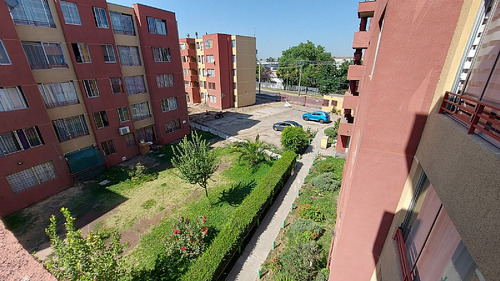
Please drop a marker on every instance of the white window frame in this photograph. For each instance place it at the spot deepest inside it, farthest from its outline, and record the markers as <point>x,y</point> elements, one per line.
<point>5,98</point>
<point>161,54</point>
<point>4,50</point>
<point>80,46</point>
<point>58,94</point>
<point>140,111</point>
<point>106,52</point>
<point>169,104</point>
<point>70,13</point>
<point>165,80</point>
<point>121,116</point>
<point>37,178</point>
<point>101,119</point>
<point>98,17</point>
<point>87,84</point>
<point>126,51</point>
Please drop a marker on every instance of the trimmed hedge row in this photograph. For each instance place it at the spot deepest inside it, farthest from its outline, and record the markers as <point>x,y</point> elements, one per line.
<point>213,261</point>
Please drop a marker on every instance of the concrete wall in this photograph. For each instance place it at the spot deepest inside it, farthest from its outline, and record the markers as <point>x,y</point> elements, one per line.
<point>245,51</point>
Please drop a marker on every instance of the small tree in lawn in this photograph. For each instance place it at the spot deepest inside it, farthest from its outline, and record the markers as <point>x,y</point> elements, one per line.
<point>294,139</point>
<point>253,151</point>
<point>196,163</point>
<point>84,258</point>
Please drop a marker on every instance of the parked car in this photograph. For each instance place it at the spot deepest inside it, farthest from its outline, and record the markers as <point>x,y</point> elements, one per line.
<point>280,126</point>
<point>320,116</point>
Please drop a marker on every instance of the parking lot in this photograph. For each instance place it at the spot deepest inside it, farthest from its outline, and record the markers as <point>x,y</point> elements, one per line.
<point>246,123</point>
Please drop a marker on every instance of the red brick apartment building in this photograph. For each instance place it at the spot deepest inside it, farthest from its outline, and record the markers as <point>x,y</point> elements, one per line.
<point>421,127</point>
<point>81,84</point>
<point>219,69</point>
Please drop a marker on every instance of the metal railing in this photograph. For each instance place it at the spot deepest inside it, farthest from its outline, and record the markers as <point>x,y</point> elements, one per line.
<point>479,117</point>
<point>403,258</point>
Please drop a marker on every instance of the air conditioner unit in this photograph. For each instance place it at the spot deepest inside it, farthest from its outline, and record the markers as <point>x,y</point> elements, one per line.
<point>124,130</point>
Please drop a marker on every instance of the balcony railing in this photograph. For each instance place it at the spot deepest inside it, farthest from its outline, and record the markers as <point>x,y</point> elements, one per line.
<point>403,258</point>
<point>478,116</point>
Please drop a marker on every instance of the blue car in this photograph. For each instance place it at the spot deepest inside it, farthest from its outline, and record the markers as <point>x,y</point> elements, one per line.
<point>320,116</point>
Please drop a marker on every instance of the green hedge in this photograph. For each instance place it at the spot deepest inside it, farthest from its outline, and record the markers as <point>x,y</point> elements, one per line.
<point>213,261</point>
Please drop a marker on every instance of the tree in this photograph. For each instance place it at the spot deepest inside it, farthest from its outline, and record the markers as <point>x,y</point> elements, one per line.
<point>294,139</point>
<point>253,151</point>
<point>84,258</point>
<point>271,59</point>
<point>195,162</point>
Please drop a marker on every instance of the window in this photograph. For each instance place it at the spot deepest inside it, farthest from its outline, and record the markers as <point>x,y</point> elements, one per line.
<point>173,126</point>
<point>182,46</point>
<point>129,55</point>
<point>31,12</point>
<point>58,94</point>
<point>12,98</point>
<point>233,43</point>
<point>205,84</point>
<point>234,86</point>
<point>70,13</point>
<point>122,23</point>
<point>146,134</point>
<point>157,26</point>
<point>210,73</point>
<point>109,53</point>
<point>202,59</point>
<point>186,71</point>
<point>123,114</point>
<point>116,85</point>
<point>209,44</point>
<point>91,88</point>
<point>70,128</point>
<point>101,19</point>
<point>18,140</point>
<point>187,83</point>
<point>203,72</point>
<point>108,147</point>
<point>44,55</point>
<point>100,119</point>
<point>165,80</point>
<point>234,72</point>
<point>213,99</point>
<point>233,58</point>
<point>135,85</point>
<point>129,139</point>
<point>161,54</point>
<point>81,52</point>
<point>31,177</point>
<point>210,59</point>
<point>4,57</point>
<point>211,86</point>
<point>140,111</point>
<point>168,104</point>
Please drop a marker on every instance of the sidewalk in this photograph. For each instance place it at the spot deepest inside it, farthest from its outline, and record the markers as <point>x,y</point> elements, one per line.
<point>255,253</point>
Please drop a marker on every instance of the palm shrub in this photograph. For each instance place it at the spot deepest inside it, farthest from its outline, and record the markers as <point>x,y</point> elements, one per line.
<point>294,139</point>
<point>253,151</point>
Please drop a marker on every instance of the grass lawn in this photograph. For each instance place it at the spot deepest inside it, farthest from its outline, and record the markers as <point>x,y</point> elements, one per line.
<point>302,247</point>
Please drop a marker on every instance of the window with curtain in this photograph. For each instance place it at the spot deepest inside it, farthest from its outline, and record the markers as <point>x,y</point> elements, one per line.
<point>18,140</point>
<point>140,111</point>
<point>135,84</point>
<point>31,177</point>
<point>129,55</point>
<point>58,94</point>
<point>209,43</point>
<point>70,13</point>
<point>146,134</point>
<point>31,12</point>
<point>172,126</point>
<point>4,57</point>
<point>161,54</point>
<point>210,59</point>
<point>12,98</point>
<point>81,51</point>
<point>122,23</point>
<point>43,55</point>
<point>70,128</point>
<point>101,18</point>
<point>100,119</point>
<point>116,85</point>
<point>165,80</point>
<point>169,104</point>
<point>210,72</point>
<point>109,53</point>
<point>108,147</point>
<point>157,26</point>
<point>91,88</point>
<point>123,114</point>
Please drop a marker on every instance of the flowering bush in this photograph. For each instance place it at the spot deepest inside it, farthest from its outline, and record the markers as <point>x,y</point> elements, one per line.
<point>307,211</point>
<point>189,237</point>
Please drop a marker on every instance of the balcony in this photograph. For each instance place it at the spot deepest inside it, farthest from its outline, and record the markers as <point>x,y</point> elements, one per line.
<point>346,129</point>
<point>477,116</point>
<point>191,77</point>
<point>350,101</point>
<point>190,65</point>
<point>188,52</point>
<point>355,72</point>
<point>366,9</point>
<point>361,40</point>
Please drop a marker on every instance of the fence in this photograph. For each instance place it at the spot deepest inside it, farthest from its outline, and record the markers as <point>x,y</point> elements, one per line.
<point>314,102</point>
<point>280,86</point>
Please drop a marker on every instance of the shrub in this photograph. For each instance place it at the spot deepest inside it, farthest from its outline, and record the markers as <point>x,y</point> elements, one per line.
<point>323,275</point>
<point>189,238</point>
<point>303,225</point>
<point>308,211</point>
<point>294,139</point>
<point>300,262</point>
<point>210,264</point>
<point>326,182</point>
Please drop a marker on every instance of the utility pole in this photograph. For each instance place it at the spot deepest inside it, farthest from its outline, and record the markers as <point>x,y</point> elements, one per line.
<point>259,75</point>
<point>300,75</point>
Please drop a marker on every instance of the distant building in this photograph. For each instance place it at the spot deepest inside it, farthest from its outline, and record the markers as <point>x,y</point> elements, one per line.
<point>421,181</point>
<point>340,60</point>
<point>219,69</point>
<point>81,84</point>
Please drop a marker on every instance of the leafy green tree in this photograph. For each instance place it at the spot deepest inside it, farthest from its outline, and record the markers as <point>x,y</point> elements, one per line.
<point>253,151</point>
<point>271,59</point>
<point>294,139</point>
<point>84,258</point>
<point>195,162</point>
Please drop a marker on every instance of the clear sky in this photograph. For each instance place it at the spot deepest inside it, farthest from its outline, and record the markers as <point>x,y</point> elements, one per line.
<point>278,24</point>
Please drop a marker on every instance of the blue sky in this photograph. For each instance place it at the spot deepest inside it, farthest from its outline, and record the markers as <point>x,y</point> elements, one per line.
<point>279,24</point>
